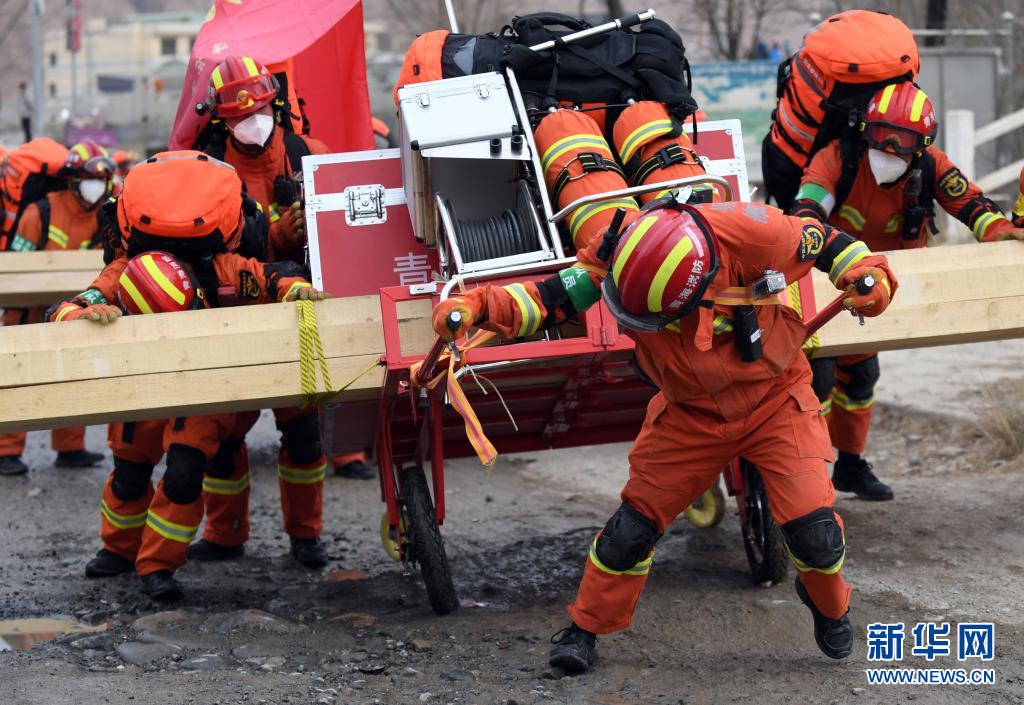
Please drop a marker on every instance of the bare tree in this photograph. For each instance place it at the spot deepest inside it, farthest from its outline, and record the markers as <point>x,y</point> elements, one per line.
<point>736,27</point>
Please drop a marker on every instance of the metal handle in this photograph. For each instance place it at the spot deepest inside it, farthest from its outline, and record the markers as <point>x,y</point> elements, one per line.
<point>423,374</point>
<point>621,23</point>
<point>864,285</point>
<point>705,179</point>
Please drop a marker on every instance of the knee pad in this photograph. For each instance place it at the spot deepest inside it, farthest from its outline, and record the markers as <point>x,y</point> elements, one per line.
<point>815,541</point>
<point>222,464</point>
<point>824,371</point>
<point>301,439</point>
<point>183,481</point>
<point>130,479</point>
<point>863,376</point>
<point>626,540</point>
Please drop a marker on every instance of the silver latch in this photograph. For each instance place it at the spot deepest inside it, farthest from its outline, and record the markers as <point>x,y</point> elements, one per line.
<point>423,99</point>
<point>364,205</point>
<point>483,90</point>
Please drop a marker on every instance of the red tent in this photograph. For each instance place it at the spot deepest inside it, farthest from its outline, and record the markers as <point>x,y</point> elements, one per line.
<point>319,43</point>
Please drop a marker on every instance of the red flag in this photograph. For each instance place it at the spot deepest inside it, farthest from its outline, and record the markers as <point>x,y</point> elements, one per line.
<point>323,42</point>
<point>73,10</point>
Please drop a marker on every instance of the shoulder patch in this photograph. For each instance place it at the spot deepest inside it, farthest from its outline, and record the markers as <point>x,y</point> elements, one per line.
<point>812,240</point>
<point>953,183</point>
<point>248,287</point>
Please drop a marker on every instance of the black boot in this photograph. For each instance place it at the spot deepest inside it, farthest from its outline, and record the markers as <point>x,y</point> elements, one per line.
<point>356,470</point>
<point>309,552</point>
<point>107,564</point>
<point>12,465</point>
<point>161,585</point>
<point>203,550</point>
<point>77,459</point>
<point>834,636</point>
<point>575,649</point>
<point>854,474</point>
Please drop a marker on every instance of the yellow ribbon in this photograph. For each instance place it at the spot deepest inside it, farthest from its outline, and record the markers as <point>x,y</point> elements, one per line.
<point>485,450</point>
<point>311,352</point>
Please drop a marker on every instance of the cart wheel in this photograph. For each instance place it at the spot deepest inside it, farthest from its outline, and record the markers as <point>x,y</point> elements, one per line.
<point>425,545</point>
<point>762,537</point>
<point>708,509</point>
<point>389,537</point>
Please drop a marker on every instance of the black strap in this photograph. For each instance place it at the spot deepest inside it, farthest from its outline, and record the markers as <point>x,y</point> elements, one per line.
<point>295,148</point>
<point>662,159</point>
<point>607,67</point>
<point>589,162</point>
<point>850,153</point>
<point>43,204</point>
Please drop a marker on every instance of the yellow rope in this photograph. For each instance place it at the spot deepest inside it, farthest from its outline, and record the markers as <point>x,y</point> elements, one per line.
<point>311,351</point>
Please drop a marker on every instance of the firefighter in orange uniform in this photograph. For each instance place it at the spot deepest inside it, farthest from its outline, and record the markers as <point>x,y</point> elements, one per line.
<point>142,528</point>
<point>683,282</point>
<point>1018,206</point>
<point>883,188</point>
<point>63,220</point>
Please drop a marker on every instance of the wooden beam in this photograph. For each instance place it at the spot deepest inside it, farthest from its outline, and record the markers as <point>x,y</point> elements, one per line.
<point>41,278</point>
<point>52,261</point>
<point>247,357</point>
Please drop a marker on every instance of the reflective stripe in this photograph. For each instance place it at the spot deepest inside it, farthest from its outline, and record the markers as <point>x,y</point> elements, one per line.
<point>58,236</point>
<point>894,223</point>
<point>274,214</point>
<point>883,104</point>
<point>63,311</point>
<point>528,309</point>
<point>170,530</point>
<point>572,141</point>
<point>674,327</point>
<point>122,521</point>
<point>852,215</point>
<point>784,114</point>
<point>804,568</point>
<point>845,402</point>
<point>665,271</point>
<point>819,194</point>
<point>640,135</point>
<point>81,151</point>
<point>584,213</point>
<point>293,287</point>
<point>1018,207</point>
<point>851,254</point>
<point>215,485</point>
<point>302,476</point>
<point>826,407</point>
<point>641,568</point>
<point>722,324</point>
<point>918,105</point>
<point>250,66</point>
<point>639,230</point>
<point>215,77</point>
<point>128,285</point>
<point>164,283</point>
<point>983,222</point>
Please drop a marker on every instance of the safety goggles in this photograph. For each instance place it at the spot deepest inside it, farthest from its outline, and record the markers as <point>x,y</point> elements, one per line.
<point>236,97</point>
<point>98,168</point>
<point>881,135</point>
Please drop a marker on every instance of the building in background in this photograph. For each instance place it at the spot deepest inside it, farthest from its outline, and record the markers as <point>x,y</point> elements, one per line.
<point>125,82</point>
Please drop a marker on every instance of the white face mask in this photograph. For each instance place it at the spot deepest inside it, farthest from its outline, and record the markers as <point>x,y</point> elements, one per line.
<point>92,190</point>
<point>254,130</point>
<point>885,167</point>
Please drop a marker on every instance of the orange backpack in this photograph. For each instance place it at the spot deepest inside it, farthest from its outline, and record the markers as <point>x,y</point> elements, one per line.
<point>27,174</point>
<point>843,62</point>
<point>184,202</point>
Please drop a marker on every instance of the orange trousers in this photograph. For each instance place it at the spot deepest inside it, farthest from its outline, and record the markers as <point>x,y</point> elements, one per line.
<point>64,440</point>
<point>154,527</point>
<point>846,389</point>
<point>679,454</point>
<point>301,469</point>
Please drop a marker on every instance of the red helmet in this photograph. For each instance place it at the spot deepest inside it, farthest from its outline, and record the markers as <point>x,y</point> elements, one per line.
<point>661,267</point>
<point>900,117</point>
<point>158,282</point>
<point>240,86</point>
<point>88,160</point>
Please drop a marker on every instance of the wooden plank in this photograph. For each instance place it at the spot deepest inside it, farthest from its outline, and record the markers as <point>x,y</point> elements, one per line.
<point>18,289</point>
<point>52,261</point>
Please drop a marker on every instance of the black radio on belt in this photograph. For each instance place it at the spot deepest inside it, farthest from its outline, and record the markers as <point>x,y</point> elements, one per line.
<point>744,324</point>
<point>287,190</point>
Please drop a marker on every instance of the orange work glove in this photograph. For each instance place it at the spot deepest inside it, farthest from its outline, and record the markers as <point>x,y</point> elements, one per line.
<point>293,226</point>
<point>875,301</point>
<point>97,313</point>
<point>467,314</point>
<point>305,292</point>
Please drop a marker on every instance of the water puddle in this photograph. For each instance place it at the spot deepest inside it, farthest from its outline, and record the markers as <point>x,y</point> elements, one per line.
<point>18,634</point>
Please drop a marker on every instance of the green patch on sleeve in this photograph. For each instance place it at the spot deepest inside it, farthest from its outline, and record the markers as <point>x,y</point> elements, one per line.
<point>580,288</point>
<point>93,296</point>
<point>20,244</point>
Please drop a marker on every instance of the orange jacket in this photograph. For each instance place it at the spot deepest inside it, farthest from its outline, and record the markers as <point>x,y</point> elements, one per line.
<point>242,281</point>
<point>258,174</point>
<point>72,227</point>
<point>1018,206</point>
<point>695,361</point>
<point>875,213</point>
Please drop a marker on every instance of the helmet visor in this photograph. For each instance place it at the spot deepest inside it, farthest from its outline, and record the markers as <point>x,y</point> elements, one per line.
<point>245,95</point>
<point>99,168</point>
<point>882,135</point>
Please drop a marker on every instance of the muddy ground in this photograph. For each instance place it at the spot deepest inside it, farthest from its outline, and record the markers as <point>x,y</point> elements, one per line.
<point>949,548</point>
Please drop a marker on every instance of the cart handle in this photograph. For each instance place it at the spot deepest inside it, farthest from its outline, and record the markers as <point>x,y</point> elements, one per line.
<point>704,179</point>
<point>864,286</point>
<point>621,23</point>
